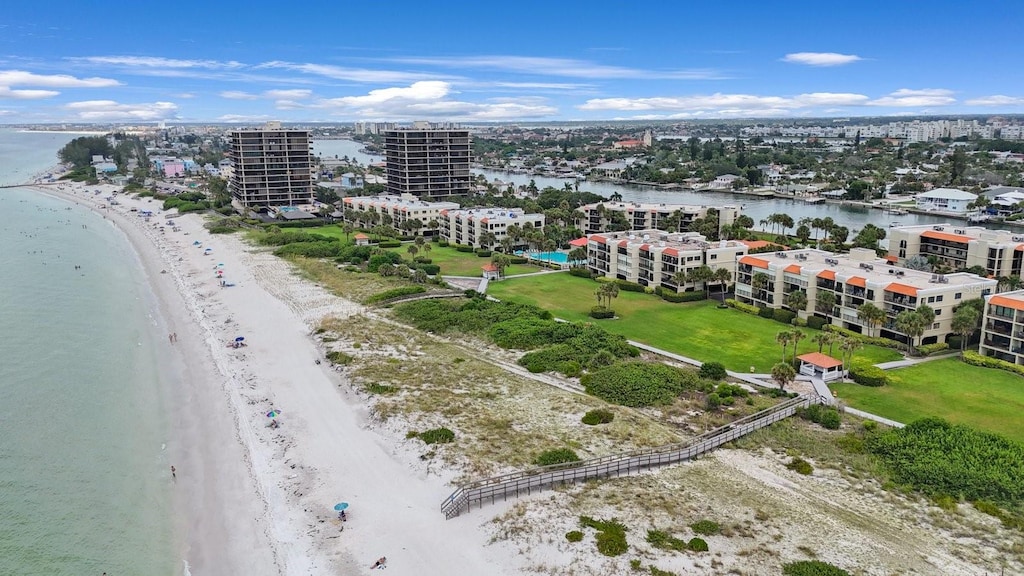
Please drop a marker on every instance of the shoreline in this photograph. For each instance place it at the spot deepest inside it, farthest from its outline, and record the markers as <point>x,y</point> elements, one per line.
<point>259,501</point>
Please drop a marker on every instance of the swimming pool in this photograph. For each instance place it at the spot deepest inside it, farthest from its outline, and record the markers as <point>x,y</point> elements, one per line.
<point>552,257</point>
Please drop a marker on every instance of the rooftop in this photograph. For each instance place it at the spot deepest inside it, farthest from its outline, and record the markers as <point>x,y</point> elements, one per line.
<point>961,233</point>
<point>861,268</point>
<point>680,241</point>
<point>652,207</point>
<point>398,202</point>
<point>948,193</point>
<point>492,213</point>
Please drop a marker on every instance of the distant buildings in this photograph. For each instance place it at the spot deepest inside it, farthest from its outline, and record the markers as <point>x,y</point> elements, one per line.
<point>428,163</point>
<point>598,217</point>
<point>654,257</point>
<point>999,252</point>
<point>369,211</point>
<point>469,226</point>
<point>272,167</point>
<point>945,200</point>
<point>836,285</point>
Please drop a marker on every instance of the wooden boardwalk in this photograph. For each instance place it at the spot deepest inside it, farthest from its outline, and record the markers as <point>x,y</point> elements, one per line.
<point>514,484</point>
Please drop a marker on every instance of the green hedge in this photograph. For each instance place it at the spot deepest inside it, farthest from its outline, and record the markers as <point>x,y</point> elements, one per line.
<point>877,341</point>
<point>742,307</point>
<point>783,316</point>
<point>767,313</point>
<point>557,456</point>
<point>672,296</point>
<point>812,568</point>
<point>580,272</point>
<point>975,359</point>
<point>929,349</point>
<point>437,436</point>
<point>518,260</point>
<point>627,286</point>
<point>442,242</point>
<point>826,416</point>
<point>955,342</point>
<point>395,293</point>
<point>869,376</point>
<point>432,269</point>
<point>816,322</point>
<point>463,248</point>
<point>601,312</point>
<point>483,253</point>
<point>389,244</point>
<point>598,416</point>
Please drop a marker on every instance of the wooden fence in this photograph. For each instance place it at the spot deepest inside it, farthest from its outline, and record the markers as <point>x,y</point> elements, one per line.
<point>526,481</point>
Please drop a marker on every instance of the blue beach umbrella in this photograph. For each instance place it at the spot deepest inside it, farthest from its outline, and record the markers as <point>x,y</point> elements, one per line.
<point>273,413</point>
<point>341,506</point>
<point>240,338</point>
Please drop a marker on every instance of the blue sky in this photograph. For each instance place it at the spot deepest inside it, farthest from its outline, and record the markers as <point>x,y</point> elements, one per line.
<point>137,62</point>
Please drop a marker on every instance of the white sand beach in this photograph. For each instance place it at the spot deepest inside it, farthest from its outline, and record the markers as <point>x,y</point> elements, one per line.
<point>256,500</point>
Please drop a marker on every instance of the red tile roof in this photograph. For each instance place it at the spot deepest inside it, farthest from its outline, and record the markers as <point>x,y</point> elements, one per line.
<point>793,269</point>
<point>1007,302</point>
<point>755,262</point>
<point>857,281</point>
<point>827,274</point>
<point>945,236</point>
<point>820,360</point>
<point>579,242</point>
<point>898,288</point>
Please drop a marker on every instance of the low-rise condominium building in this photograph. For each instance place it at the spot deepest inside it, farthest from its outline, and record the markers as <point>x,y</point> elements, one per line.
<point>470,226</point>
<point>999,252</point>
<point>640,216</point>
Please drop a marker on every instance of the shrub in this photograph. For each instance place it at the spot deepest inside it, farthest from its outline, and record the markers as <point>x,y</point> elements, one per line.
<point>580,272</point>
<point>812,568</point>
<point>431,269</point>
<point>705,528</point>
<point>783,316</point>
<point>574,536</point>
<point>697,545</point>
<point>975,359</point>
<point>422,260</point>
<point>601,312</point>
<point>869,376</point>
<point>672,296</point>
<point>482,253</point>
<point>395,293</point>
<point>437,436</point>
<point>883,342</point>
<point>338,357</point>
<point>712,371</point>
<point>665,541</point>
<point>929,349</point>
<point>639,384</point>
<point>816,322</point>
<point>955,342</point>
<point>742,307</point>
<point>611,535</point>
<point>713,401</point>
<point>599,416</point>
<point>442,242</point>
<point>463,248</point>
<point>799,322</point>
<point>375,262</point>
<point>376,388</point>
<point>389,244</point>
<point>766,313</point>
<point>725,390</point>
<point>935,457</point>
<point>800,466</point>
<point>826,416</point>
<point>557,456</point>
<point>627,286</point>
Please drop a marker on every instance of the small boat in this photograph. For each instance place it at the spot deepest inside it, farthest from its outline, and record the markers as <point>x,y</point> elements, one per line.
<point>897,211</point>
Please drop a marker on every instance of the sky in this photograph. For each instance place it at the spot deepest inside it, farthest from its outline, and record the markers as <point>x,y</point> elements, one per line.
<point>460,61</point>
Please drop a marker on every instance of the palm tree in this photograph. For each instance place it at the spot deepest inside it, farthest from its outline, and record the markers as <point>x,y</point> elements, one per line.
<point>723,277</point>
<point>783,373</point>
<point>872,316</point>
<point>912,324</point>
<point>347,228</point>
<point>821,338</point>
<point>759,283</point>
<point>412,250</point>
<point>784,338</point>
<point>965,322</point>
<point>611,291</point>
<point>426,248</point>
<point>795,337</point>
<point>847,347</point>
<point>680,278</point>
<point>501,262</point>
<point>826,302</point>
<point>796,300</point>
<point>578,256</point>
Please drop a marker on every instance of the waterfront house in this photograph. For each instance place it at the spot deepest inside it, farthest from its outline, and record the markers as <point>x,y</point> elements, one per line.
<point>945,200</point>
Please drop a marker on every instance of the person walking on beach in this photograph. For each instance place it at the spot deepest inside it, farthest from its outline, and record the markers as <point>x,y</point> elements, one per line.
<point>175,335</point>
<point>170,338</point>
<point>380,564</point>
<point>174,473</point>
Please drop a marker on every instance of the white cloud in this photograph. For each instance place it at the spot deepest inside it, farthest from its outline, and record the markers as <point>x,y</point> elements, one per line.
<point>740,104</point>
<point>295,94</point>
<point>238,95</point>
<point>905,97</point>
<point>111,111</point>
<point>7,93</point>
<point>158,62</point>
<point>349,74</point>
<point>430,99</point>
<point>996,100</point>
<point>564,67</point>
<point>185,95</point>
<point>23,78</point>
<point>821,58</point>
<point>243,118</point>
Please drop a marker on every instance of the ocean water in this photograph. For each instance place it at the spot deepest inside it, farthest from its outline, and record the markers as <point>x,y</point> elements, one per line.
<point>84,480</point>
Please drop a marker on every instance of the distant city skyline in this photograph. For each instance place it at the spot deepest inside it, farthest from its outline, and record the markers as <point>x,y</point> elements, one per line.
<point>531,61</point>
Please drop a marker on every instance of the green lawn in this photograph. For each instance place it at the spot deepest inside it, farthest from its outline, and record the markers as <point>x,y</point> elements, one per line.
<point>699,330</point>
<point>332,230</point>
<point>455,263</point>
<point>986,398</point>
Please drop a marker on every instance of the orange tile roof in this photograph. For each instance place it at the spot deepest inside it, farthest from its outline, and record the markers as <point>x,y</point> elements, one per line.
<point>489,268</point>
<point>755,262</point>
<point>820,360</point>
<point>623,243</point>
<point>645,247</point>
<point>1007,302</point>
<point>857,281</point>
<point>755,244</point>
<point>671,252</point>
<point>579,242</point>
<point>599,239</point>
<point>898,288</point>
<point>945,236</point>
<point>895,259</point>
<point>827,274</point>
<point>361,236</point>
<point>793,269</point>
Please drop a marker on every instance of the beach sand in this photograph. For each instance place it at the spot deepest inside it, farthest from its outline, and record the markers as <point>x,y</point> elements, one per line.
<point>256,500</point>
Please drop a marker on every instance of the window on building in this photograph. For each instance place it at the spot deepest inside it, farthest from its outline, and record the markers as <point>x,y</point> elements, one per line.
<point>938,298</point>
<point>931,299</point>
<point>934,326</point>
<point>714,256</point>
<point>958,296</point>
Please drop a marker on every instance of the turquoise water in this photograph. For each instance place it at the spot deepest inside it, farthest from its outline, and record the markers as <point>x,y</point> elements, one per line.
<point>83,481</point>
<point>553,257</point>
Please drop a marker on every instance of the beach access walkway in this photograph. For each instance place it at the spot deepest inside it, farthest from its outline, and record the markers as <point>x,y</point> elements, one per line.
<point>515,484</point>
